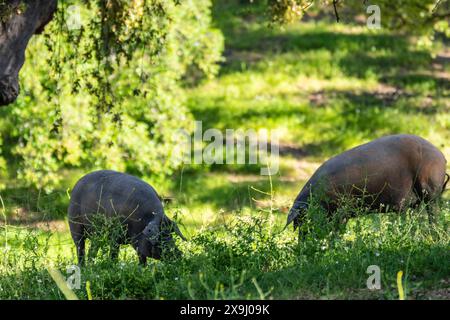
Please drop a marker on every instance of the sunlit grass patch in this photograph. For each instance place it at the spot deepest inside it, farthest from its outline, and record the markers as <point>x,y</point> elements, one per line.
<point>224,261</point>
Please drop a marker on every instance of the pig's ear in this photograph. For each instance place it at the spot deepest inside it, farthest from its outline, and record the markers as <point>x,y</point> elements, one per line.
<point>151,231</point>
<point>294,215</point>
<point>178,231</point>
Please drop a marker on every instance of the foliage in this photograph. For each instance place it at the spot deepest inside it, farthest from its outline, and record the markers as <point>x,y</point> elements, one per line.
<point>114,100</point>
<point>326,88</point>
<point>417,16</point>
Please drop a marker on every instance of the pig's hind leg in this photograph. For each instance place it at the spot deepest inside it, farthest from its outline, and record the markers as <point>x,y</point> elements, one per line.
<point>428,192</point>
<point>80,241</point>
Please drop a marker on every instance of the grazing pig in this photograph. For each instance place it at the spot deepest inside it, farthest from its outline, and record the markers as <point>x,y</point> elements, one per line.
<point>394,171</point>
<point>133,201</point>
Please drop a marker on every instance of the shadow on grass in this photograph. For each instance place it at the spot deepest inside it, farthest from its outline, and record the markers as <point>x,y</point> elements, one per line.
<point>29,205</point>
<point>356,55</point>
<point>215,113</point>
<point>336,119</point>
<point>344,118</point>
<point>249,40</point>
<point>420,82</point>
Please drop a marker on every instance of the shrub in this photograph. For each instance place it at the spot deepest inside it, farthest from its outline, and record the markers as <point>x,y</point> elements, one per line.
<point>128,119</point>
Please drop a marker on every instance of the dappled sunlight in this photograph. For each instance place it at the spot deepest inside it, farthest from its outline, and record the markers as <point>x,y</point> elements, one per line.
<point>324,87</point>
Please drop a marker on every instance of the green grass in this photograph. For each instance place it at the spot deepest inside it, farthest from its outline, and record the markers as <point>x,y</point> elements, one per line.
<point>249,257</point>
<point>325,87</point>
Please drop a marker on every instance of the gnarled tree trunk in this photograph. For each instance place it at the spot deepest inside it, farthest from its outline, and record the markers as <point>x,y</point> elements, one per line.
<point>20,20</point>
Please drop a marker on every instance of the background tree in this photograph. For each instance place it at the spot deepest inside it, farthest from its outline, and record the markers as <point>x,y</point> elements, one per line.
<point>107,91</point>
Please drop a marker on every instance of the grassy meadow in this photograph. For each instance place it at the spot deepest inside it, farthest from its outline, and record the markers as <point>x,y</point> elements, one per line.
<point>325,87</point>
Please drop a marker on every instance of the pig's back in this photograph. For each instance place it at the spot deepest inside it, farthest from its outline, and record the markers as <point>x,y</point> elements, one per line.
<point>385,160</point>
<point>113,193</point>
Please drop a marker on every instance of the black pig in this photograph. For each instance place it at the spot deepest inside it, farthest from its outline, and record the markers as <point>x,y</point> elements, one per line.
<point>396,172</point>
<point>133,201</point>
